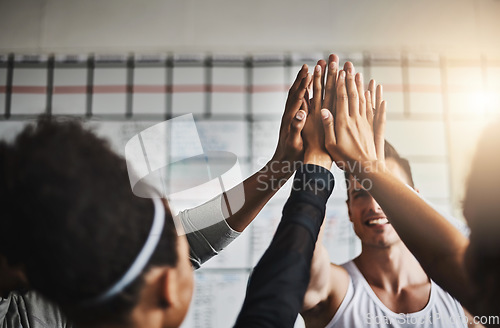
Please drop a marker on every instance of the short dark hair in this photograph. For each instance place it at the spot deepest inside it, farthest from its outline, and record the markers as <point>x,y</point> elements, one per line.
<point>75,222</point>
<point>391,153</point>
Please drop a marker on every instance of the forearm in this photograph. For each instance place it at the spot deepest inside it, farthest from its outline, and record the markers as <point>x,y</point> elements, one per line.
<point>259,188</point>
<point>212,226</point>
<point>433,240</point>
<point>206,230</point>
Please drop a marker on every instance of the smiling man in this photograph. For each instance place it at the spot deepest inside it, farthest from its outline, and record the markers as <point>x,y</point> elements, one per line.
<point>384,286</point>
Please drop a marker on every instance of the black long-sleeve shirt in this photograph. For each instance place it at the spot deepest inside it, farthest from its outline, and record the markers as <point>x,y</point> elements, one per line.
<point>276,289</point>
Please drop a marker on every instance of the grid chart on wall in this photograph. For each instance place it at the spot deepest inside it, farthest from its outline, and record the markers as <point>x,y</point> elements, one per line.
<point>436,106</point>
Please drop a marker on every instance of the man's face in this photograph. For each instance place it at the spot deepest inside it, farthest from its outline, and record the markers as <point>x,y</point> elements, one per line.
<point>369,221</point>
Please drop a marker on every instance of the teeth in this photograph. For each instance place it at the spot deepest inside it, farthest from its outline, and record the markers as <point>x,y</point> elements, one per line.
<point>378,221</point>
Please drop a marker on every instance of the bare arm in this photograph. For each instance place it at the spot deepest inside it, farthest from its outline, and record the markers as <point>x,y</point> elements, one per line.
<point>212,226</point>
<point>319,285</point>
<point>434,241</point>
<point>357,146</point>
<point>327,287</point>
<point>260,187</point>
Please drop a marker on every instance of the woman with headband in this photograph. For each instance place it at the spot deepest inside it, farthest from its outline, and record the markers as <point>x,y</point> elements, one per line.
<point>110,259</point>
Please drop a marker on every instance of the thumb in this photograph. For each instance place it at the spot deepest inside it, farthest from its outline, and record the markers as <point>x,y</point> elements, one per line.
<point>328,126</point>
<point>297,125</point>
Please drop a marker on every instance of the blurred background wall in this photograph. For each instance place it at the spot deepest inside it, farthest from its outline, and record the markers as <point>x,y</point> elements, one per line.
<point>452,26</point>
<point>125,65</point>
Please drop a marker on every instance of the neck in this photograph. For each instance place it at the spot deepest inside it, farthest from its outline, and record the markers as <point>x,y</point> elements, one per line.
<point>391,268</point>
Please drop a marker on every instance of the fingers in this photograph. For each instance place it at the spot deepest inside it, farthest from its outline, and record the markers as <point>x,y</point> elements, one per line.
<point>296,93</point>
<point>295,138</point>
<point>341,101</point>
<point>361,94</point>
<point>299,96</point>
<point>379,129</point>
<point>305,105</point>
<point>310,86</point>
<point>300,75</point>
<point>369,107</point>
<point>352,92</point>
<point>331,78</point>
<point>379,97</point>
<point>317,88</point>
<point>322,63</point>
<point>371,88</point>
<point>328,126</point>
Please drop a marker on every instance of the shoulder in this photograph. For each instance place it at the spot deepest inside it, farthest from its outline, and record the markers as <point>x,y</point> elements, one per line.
<point>41,312</point>
<point>323,313</point>
<point>341,275</point>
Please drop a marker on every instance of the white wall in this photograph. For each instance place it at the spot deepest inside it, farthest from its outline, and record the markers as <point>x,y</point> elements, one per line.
<point>249,26</point>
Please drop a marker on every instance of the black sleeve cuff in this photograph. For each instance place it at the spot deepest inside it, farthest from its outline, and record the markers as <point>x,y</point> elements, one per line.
<point>312,186</point>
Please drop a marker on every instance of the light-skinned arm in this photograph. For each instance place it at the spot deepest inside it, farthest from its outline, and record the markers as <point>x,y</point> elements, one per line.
<point>329,282</point>
<point>356,142</point>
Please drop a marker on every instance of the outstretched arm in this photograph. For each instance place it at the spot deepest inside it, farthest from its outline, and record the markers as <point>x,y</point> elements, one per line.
<point>319,284</point>
<point>212,226</point>
<point>276,289</point>
<point>356,145</point>
<point>261,186</point>
<point>277,286</point>
<point>329,282</point>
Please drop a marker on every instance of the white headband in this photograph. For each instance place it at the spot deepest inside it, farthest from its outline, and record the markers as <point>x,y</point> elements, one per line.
<point>141,260</point>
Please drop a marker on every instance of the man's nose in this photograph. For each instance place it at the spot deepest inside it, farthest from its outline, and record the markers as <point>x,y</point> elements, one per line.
<point>373,205</point>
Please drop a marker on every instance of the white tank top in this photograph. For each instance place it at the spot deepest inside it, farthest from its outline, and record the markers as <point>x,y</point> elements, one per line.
<point>361,308</point>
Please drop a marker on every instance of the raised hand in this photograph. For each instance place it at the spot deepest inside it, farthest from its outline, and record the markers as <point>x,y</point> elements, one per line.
<point>313,133</point>
<point>373,104</point>
<point>290,145</point>
<point>354,137</point>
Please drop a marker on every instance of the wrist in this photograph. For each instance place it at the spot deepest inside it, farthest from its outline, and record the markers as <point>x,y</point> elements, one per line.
<point>367,169</point>
<point>318,157</point>
<point>281,168</point>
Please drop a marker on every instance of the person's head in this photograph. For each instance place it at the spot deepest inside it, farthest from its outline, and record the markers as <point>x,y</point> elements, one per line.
<point>481,208</point>
<point>369,221</point>
<point>78,228</point>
